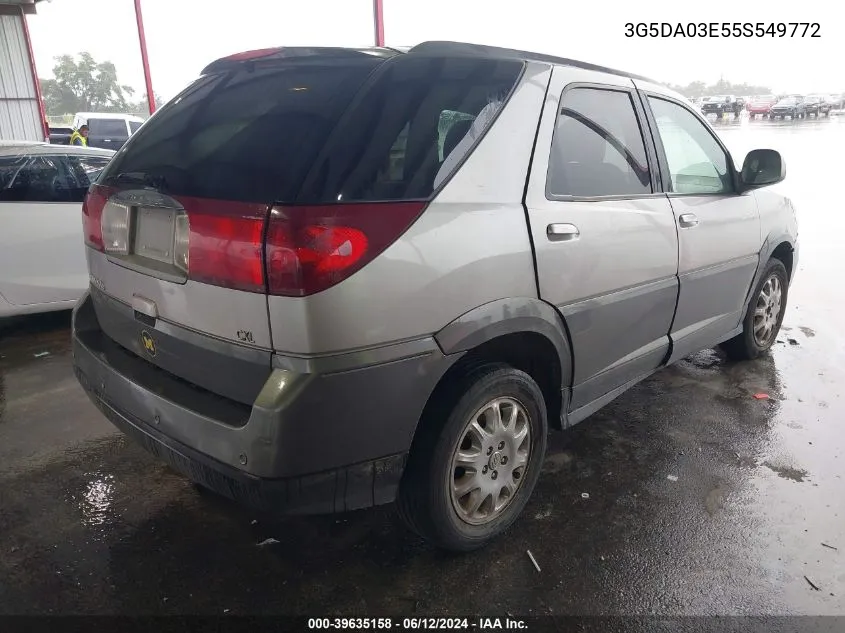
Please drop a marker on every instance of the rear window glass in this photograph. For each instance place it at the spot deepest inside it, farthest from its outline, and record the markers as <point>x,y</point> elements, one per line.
<point>107,127</point>
<point>318,132</point>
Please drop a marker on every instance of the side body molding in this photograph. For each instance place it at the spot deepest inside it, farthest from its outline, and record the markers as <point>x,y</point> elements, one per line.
<point>510,316</point>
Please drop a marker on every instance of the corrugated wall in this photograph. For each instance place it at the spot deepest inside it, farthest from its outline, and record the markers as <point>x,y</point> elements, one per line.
<point>19,111</point>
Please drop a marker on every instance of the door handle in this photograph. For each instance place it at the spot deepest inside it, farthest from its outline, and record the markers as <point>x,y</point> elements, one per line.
<point>688,220</point>
<point>562,232</point>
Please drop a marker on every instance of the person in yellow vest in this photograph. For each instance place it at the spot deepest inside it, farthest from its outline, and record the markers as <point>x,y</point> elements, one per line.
<point>80,136</point>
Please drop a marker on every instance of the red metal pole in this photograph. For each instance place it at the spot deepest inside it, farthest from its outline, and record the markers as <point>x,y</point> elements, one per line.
<point>144,60</point>
<point>42,112</point>
<point>378,21</point>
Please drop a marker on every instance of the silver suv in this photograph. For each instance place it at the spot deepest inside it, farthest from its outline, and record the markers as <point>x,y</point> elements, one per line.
<point>325,279</point>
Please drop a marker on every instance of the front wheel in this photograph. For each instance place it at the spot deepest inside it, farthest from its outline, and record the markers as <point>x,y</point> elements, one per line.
<point>477,459</point>
<point>764,316</point>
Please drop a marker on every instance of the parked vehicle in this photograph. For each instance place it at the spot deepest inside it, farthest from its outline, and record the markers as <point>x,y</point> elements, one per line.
<point>310,295</point>
<point>107,130</point>
<point>761,106</point>
<point>792,107</point>
<point>816,105</point>
<point>42,254</point>
<point>721,105</point>
<point>60,135</point>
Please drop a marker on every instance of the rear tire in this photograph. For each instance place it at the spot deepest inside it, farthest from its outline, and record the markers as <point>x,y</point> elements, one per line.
<point>764,316</point>
<point>463,508</point>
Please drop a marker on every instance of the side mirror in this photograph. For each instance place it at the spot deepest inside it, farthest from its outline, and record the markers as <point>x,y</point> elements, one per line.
<point>761,168</point>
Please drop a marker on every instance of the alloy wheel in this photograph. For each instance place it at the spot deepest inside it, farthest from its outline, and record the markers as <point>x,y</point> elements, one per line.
<point>490,460</point>
<point>767,311</point>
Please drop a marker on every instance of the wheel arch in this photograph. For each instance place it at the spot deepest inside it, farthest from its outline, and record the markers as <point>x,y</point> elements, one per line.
<point>524,332</point>
<point>780,246</point>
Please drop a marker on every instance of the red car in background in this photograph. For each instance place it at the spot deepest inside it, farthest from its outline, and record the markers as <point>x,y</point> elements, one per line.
<point>761,105</point>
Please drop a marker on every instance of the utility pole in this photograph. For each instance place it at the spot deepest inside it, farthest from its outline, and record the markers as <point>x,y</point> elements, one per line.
<point>151,100</point>
<point>378,21</point>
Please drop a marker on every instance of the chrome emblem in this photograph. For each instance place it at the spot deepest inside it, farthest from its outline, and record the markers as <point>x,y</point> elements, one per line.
<point>148,343</point>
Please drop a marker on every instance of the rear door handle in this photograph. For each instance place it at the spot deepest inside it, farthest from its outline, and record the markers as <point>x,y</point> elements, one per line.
<point>688,220</point>
<point>562,232</point>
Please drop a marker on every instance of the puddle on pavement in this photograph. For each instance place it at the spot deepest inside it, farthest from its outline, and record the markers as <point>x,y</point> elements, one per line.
<point>95,500</point>
<point>808,332</point>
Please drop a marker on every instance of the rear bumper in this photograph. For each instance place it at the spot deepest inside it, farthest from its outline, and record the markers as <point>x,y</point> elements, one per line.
<point>312,443</point>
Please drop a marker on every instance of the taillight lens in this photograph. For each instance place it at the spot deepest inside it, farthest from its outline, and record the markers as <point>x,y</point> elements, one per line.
<point>115,228</point>
<point>181,243</point>
<point>92,213</point>
<point>310,249</point>
<point>224,243</point>
<point>307,249</point>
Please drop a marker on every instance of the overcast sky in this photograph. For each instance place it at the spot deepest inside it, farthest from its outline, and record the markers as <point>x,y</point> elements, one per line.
<point>184,35</point>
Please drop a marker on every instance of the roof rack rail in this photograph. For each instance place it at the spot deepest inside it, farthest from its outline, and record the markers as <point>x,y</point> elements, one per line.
<point>462,48</point>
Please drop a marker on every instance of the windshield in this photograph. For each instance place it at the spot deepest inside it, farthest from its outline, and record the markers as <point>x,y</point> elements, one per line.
<point>788,101</point>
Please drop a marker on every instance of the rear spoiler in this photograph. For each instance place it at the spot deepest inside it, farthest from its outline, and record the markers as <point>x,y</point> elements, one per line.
<point>295,52</point>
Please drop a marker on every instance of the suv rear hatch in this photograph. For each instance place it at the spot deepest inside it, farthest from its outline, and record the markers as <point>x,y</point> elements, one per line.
<point>272,173</point>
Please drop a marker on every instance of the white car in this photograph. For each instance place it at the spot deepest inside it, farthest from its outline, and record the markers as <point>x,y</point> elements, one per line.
<point>42,250</point>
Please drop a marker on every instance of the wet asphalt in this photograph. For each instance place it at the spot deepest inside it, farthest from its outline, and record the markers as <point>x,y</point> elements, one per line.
<point>702,499</point>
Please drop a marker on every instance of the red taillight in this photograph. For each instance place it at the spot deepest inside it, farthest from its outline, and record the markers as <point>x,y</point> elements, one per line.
<point>307,248</point>
<point>310,249</point>
<point>225,243</point>
<point>92,214</point>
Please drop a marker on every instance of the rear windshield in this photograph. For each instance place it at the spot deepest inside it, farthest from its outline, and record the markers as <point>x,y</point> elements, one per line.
<point>318,132</point>
<point>107,127</point>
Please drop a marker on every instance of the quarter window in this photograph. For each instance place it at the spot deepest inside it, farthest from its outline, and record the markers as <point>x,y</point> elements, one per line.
<point>697,163</point>
<point>598,147</point>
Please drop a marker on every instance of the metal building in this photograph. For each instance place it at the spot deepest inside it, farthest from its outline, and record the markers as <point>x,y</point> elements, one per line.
<point>21,107</point>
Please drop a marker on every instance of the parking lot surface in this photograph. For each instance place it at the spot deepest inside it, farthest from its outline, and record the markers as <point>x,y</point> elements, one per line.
<point>686,495</point>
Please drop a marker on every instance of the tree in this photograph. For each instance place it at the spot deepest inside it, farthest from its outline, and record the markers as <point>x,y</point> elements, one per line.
<point>142,108</point>
<point>84,86</point>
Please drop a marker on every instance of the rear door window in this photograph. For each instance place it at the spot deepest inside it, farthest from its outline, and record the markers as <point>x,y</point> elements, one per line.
<point>598,148</point>
<point>314,131</point>
<point>133,126</point>
<point>85,170</point>
<point>38,179</point>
